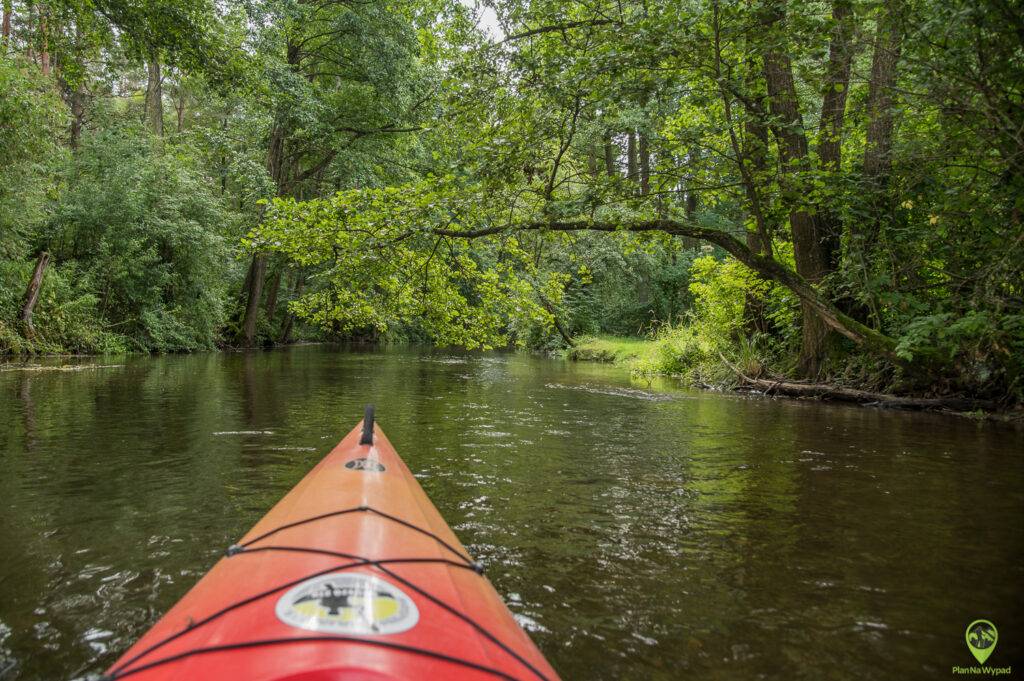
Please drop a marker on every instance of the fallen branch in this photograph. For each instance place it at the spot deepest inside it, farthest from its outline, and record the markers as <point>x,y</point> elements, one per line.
<point>834,393</point>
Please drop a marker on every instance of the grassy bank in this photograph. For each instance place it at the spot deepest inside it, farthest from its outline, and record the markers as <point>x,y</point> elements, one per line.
<point>676,351</point>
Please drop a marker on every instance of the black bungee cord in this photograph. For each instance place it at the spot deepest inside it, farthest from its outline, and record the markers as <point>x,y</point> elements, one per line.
<point>354,561</point>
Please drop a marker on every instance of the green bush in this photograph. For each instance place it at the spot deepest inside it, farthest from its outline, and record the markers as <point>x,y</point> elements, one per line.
<point>66,317</point>
<point>149,240</point>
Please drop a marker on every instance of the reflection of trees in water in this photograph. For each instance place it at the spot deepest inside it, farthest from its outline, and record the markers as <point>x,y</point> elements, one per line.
<point>28,412</point>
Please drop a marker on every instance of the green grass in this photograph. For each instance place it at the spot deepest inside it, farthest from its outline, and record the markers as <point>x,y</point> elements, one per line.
<point>675,351</point>
<point>615,349</point>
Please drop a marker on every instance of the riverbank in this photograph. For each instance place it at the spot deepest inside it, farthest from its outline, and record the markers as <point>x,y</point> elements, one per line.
<point>682,354</point>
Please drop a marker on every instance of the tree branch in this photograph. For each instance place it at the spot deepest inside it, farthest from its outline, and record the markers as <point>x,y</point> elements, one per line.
<point>763,265</point>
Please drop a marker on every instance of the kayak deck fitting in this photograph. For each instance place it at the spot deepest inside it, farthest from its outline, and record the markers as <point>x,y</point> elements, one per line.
<point>352,576</point>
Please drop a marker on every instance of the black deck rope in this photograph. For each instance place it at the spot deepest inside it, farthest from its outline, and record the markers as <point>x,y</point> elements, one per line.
<point>358,561</point>
<point>473,567</point>
<point>354,561</point>
<point>234,606</point>
<point>468,620</point>
<point>359,509</point>
<point>311,639</point>
<point>123,670</point>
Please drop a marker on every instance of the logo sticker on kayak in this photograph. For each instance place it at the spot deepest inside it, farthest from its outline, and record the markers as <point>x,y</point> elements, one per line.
<point>348,603</point>
<point>365,464</point>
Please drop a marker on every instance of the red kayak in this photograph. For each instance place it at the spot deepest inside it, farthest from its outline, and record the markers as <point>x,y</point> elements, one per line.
<point>352,576</point>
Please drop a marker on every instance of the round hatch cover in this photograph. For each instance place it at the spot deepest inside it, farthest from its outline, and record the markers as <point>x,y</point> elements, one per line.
<point>348,603</point>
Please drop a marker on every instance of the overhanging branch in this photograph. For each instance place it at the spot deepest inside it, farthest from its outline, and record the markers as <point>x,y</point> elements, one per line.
<point>765,266</point>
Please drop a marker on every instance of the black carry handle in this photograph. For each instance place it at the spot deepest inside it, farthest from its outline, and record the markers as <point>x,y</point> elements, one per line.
<point>367,438</point>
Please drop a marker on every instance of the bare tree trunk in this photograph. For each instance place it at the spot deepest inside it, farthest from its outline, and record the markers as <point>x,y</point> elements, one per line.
<point>592,169</point>
<point>154,95</point>
<point>811,261</point>
<point>35,284</point>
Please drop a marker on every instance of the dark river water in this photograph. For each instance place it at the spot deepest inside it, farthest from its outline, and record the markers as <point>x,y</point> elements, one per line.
<point>637,531</point>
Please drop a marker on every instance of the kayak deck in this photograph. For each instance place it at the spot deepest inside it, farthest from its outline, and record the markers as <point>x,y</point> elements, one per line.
<point>353,575</point>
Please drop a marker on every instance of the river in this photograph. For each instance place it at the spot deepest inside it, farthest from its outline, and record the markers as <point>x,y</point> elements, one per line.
<point>638,531</point>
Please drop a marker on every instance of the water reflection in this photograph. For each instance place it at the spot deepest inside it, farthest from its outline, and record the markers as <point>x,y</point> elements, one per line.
<point>638,531</point>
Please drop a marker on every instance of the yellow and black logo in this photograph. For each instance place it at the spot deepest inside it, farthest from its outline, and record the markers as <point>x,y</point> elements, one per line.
<point>348,603</point>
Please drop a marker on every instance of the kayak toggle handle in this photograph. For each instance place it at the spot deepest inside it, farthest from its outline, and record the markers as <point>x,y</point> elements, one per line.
<point>367,438</point>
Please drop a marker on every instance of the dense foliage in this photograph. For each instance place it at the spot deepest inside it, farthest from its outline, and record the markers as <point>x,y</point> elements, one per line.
<point>825,188</point>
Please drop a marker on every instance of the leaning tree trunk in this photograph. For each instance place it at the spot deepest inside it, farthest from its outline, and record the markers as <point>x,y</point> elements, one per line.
<point>35,285</point>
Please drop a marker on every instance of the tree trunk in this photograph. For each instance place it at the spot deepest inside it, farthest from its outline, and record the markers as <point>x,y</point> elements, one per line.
<point>289,320</point>
<point>631,159</point>
<point>878,142</point>
<point>77,104</point>
<point>754,317</point>
<point>179,108</point>
<point>645,164</point>
<point>592,169</point>
<point>44,55</point>
<point>751,160</point>
<point>759,240</point>
<point>5,28</point>
<point>833,111</point>
<point>865,233</point>
<point>154,95</point>
<point>35,285</point>
<point>275,287</point>
<point>609,155</point>
<point>811,261</point>
<point>252,303</point>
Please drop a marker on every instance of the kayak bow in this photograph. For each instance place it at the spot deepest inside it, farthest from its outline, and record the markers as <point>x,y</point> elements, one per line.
<point>352,576</point>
